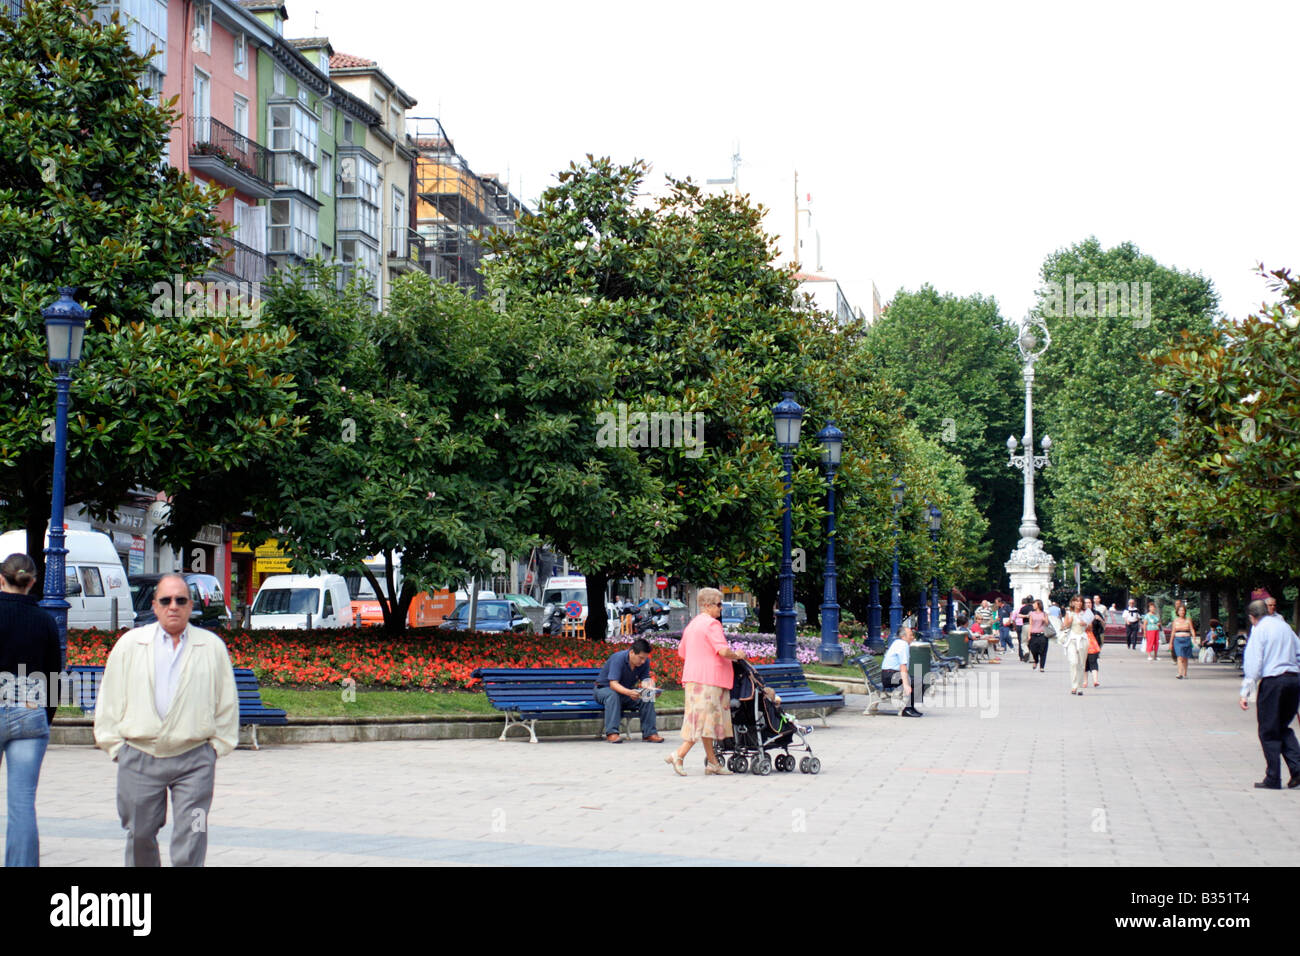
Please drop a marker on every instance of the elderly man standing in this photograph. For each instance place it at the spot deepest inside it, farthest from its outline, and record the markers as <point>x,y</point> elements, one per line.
<point>167,710</point>
<point>1273,659</point>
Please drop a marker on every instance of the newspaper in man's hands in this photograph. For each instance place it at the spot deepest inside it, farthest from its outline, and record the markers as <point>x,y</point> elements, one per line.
<point>650,693</point>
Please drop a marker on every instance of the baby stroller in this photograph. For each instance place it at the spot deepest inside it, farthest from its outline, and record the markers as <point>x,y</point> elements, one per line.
<point>761,725</point>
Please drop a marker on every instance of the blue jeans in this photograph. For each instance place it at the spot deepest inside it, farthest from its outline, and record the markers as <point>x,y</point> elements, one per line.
<point>613,703</point>
<point>24,735</point>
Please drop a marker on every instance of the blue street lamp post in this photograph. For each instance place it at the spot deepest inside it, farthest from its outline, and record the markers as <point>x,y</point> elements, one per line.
<point>895,586</point>
<point>65,327</point>
<point>831,652</point>
<point>788,417</point>
<point>936,518</point>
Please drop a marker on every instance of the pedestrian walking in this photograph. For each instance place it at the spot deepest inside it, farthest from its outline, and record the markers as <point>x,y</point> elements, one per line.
<point>1132,624</point>
<point>1038,636</point>
<point>1182,636</point>
<point>1151,623</point>
<point>1021,621</point>
<point>1002,621</point>
<point>707,676</point>
<point>1273,660</point>
<point>29,664</point>
<point>1075,641</point>
<point>168,708</point>
<point>1096,638</point>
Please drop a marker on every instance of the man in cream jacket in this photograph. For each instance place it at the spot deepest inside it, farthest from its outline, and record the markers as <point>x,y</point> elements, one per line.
<point>166,711</point>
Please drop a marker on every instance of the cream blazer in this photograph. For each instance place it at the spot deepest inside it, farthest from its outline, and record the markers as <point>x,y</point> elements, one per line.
<point>205,708</point>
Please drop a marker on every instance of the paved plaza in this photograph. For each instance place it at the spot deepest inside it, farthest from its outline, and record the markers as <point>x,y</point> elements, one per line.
<point>1147,770</point>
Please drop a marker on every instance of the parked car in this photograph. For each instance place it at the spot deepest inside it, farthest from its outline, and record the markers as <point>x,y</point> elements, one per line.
<point>1116,630</point>
<point>208,607</point>
<point>523,600</point>
<point>734,614</point>
<point>94,576</point>
<point>285,601</point>
<point>492,616</point>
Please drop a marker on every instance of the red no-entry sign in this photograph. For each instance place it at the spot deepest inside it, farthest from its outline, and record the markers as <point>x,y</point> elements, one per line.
<point>661,582</point>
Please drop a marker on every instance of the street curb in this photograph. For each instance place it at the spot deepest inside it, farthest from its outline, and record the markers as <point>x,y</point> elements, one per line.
<point>79,731</point>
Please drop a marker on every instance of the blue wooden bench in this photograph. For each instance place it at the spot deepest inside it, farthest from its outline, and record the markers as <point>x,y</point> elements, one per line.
<point>877,692</point>
<point>527,695</point>
<point>86,680</point>
<point>791,685</point>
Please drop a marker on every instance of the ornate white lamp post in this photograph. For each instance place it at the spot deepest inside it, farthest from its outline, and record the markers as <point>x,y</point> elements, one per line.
<point>1030,567</point>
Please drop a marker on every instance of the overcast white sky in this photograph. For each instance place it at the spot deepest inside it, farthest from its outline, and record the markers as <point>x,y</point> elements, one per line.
<point>951,143</point>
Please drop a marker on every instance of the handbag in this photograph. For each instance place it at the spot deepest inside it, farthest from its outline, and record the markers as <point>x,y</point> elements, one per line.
<point>1048,630</point>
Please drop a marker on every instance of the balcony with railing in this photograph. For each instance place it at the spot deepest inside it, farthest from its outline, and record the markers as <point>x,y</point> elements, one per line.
<point>229,157</point>
<point>406,250</point>
<point>241,262</point>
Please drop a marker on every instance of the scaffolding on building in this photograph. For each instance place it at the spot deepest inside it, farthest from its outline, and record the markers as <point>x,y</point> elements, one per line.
<point>455,206</point>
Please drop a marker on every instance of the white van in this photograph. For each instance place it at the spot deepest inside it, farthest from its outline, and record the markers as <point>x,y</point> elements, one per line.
<point>284,601</point>
<point>563,589</point>
<point>94,574</point>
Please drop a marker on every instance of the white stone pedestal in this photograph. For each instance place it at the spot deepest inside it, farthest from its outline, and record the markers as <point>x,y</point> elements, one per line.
<point>1030,569</point>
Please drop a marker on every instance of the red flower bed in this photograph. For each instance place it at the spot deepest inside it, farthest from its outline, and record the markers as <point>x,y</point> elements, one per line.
<point>416,660</point>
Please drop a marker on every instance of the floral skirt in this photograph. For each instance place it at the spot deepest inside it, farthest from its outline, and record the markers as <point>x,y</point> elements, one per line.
<point>708,712</point>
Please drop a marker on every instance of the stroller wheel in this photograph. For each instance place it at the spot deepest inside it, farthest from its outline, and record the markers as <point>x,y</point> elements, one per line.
<point>764,765</point>
<point>805,764</point>
<point>756,765</point>
<point>739,765</point>
<point>814,765</point>
<point>780,763</point>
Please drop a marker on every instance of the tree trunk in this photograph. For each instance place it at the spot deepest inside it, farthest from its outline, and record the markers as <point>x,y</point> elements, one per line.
<point>1207,612</point>
<point>812,603</point>
<point>36,522</point>
<point>597,620</point>
<point>1230,603</point>
<point>766,593</point>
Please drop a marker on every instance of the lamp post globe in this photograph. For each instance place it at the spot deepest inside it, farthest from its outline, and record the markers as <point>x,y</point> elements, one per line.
<point>65,328</point>
<point>788,416</point>
<point>831,651</point>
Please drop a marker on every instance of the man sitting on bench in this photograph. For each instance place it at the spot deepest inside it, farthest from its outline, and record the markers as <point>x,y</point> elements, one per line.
<point>894,669</point>
<point>621,679</point>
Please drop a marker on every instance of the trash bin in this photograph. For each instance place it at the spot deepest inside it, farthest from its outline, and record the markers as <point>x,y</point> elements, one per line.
<point>958,648</point>
<point>918,665</point>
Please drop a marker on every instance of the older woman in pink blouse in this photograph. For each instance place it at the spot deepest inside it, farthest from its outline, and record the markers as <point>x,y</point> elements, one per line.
<point>707,677</point>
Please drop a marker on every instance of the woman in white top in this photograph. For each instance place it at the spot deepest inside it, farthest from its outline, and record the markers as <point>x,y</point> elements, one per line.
<point>1074,638</point>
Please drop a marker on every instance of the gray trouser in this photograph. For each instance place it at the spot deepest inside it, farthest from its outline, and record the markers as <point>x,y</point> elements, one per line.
<point>142,785</point>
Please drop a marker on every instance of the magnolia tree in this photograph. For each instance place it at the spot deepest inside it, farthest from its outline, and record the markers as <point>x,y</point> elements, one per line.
<point>427,432</point>
<point>163,397</point>
<point>705,335</point>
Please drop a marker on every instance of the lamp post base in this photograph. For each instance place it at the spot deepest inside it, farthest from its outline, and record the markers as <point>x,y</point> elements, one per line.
<point>1030,570</point>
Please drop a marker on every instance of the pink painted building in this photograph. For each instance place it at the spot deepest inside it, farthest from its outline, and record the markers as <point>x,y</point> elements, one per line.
<point>211,68</point>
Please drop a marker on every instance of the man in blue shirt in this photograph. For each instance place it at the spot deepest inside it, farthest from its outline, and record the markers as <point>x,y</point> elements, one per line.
<point>894,670</point>
<point>621,681</point>
<point>1273,659</point>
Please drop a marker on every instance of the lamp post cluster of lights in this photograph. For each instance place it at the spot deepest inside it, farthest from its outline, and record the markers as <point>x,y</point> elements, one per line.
<point>1030,567</point>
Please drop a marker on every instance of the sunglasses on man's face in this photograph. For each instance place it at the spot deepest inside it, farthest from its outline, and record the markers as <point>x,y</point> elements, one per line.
<point>167,601</point>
